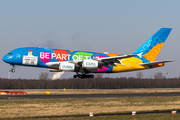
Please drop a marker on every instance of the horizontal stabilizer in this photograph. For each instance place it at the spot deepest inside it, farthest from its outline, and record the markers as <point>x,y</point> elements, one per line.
<point>154,63</point>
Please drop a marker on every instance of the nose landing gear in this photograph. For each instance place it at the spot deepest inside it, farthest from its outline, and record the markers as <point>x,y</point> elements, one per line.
<point>12,70</point>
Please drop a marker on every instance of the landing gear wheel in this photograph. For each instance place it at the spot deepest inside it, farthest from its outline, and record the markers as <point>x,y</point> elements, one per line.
<point>13,70</point>
<point>83,76</point>
<point>79,76</point>
<point>92,76</point>
<point>75,76</point>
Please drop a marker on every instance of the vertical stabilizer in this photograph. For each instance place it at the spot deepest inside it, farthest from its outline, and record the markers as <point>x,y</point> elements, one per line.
<point>151,48</point>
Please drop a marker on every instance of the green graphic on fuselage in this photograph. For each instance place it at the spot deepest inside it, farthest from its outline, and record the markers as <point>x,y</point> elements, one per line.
<point>82,55</point>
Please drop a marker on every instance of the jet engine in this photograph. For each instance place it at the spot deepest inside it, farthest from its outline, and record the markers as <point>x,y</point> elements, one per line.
<point>65,66</point>
<point>90,64</point>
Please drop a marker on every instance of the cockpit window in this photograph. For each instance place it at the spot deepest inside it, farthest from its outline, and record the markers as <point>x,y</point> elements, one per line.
<point>9,53</point>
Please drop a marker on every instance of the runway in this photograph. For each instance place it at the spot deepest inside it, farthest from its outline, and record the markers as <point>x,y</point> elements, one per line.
<point>64,96</point>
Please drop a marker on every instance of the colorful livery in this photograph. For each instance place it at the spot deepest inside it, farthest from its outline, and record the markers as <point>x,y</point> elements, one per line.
<point>84,62</point>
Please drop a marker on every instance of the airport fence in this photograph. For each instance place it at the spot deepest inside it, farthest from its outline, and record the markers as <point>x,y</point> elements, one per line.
<point>95,83</point>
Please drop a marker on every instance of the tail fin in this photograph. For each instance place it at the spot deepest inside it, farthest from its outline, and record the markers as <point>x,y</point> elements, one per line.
<point>151,48</point>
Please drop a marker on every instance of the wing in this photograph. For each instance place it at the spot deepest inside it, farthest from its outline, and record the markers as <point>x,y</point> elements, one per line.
<point>101,61</point>
<point>111,60</point>
<point>116,57</point>
<point>154,63</point>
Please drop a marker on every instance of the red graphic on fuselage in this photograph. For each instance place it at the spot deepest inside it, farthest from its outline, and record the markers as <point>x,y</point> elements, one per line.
<point>30,53</point>
<point>61,55</point>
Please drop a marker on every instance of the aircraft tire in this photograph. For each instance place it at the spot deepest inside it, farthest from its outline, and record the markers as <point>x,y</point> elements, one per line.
<point>13,70</point>
<point>75,76</point>
<point>83,76</point>
<point>92,76</point>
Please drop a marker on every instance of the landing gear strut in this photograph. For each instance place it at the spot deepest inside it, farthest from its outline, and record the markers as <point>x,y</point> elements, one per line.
<point>12,70</point>
<point>83,76</point>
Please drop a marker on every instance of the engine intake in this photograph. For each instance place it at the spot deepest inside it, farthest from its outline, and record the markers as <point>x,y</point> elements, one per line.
<point>65,66</point>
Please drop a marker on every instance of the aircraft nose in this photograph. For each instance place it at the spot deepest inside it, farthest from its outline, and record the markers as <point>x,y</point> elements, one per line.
<point>5,59</point>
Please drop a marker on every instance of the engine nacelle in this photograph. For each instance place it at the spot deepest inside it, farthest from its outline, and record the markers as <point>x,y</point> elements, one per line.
<point>65,66</point>
<point>90,64</point>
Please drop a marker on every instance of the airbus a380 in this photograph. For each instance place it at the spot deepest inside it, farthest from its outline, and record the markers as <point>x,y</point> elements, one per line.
<point>84,63</point>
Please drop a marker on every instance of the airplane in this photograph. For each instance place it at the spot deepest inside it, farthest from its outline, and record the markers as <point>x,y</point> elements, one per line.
<point>85,63</point>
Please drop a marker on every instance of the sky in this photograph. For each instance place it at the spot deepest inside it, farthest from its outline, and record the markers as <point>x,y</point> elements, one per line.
<point>113,26</point>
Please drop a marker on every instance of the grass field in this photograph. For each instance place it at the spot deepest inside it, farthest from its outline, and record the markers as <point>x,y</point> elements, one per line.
<point>60,107</point>
<point>122,117</point>
<point>98,91</point>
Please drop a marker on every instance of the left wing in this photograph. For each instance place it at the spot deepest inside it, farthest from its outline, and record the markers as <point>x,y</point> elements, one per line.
<point>111,60</point>
<point>106,61</point>
<point>116,57</point>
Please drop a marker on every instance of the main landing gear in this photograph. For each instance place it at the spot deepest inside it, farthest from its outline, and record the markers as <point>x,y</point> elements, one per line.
<point>83,76</point>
